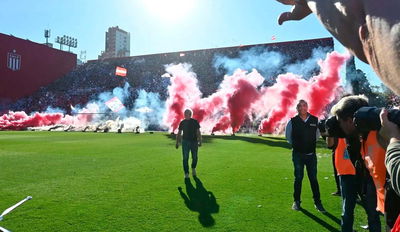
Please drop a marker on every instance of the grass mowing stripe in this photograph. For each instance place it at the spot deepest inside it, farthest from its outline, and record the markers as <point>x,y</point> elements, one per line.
<point>129,182</point>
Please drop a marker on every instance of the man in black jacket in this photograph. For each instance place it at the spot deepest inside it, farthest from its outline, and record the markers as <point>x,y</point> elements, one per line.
<point>302,132</point>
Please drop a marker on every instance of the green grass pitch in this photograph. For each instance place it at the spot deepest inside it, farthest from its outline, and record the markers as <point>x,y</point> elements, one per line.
<point>129,182</point>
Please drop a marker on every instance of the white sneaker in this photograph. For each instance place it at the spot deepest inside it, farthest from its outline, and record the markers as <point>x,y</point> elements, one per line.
<point>194,172</point>
<point>186,175</point>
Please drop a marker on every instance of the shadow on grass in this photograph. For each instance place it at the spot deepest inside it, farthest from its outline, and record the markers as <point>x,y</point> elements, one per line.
<point>270,141</point>
<point>320,221</point>
<point>333,218</point>
<point>200,200</point>
<point>205,138</point>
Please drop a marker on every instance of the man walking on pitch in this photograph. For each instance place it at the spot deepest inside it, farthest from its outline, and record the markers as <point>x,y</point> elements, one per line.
<point>191,140</point>
<point>302,133</point>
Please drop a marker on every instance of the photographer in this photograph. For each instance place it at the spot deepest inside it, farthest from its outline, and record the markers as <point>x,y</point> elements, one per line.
<point>350,172</point>
<point>392,133</point>
<point>373,182</point>
<point>331,143</point>
<point>348,182</point>
<point>368,119</point>
<point>355,118</point>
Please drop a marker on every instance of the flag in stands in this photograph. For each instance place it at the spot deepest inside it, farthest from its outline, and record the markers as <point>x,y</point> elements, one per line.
<point>115,104</point>
<point>120,71</point>
<point>144,110</point>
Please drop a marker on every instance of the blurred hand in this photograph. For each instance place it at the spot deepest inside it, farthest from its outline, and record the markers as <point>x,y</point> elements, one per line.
<point>177,145</point>
<point>200,143</point>
<point>367,28</point>
<point>389,130</point>
<point>283,17</point>
<point>299,11</point>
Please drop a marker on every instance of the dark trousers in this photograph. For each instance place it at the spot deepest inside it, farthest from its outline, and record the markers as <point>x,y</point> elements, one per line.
<point>370,203</point>
<point>392,206</point>
<point>189,146</point>
<point>348,184</point>
<point>310,161</point>
<point>335,173</point>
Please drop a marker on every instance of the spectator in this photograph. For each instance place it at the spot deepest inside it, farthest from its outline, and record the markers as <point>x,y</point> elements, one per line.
<point>190,140</point>
<point>302,133</point>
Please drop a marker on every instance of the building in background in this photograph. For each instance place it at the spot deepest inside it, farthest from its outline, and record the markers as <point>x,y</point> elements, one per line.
<point>117,43</point>
<point>25,66</point>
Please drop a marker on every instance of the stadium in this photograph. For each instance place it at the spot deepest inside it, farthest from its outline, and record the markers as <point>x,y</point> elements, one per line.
<point>66,89</point>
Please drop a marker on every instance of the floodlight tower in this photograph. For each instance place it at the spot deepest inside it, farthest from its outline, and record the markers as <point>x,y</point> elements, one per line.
<point>47,35</point>
<point>67,40</point>
<point>82,56</point>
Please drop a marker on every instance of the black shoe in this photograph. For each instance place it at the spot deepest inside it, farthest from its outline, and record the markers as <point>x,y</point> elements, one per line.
<point>296,205</point>
<point>319,207</point>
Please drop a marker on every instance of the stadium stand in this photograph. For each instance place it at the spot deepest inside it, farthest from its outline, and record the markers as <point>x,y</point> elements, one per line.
<point>144,72</point>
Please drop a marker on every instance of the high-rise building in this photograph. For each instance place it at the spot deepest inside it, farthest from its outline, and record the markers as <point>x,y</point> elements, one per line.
<point>117,43</point>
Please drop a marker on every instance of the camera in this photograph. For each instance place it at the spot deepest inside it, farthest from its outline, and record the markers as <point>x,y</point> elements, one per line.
<point>321,126</point>
<point>332,128</point>
<point>367,118</point>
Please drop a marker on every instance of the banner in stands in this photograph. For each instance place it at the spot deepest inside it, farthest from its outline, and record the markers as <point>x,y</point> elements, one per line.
<point>119,71</point>
<point>115,104</point>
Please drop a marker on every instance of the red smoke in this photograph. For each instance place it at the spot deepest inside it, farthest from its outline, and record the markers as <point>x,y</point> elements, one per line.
<point>240,102</point>
<point>319,91</point>
<point>205,107</point>
<point>288,96</point>
<point>222,125</point>
<point>238,97</point>
<point>20,120</point>
<point>183,89</point>
<point>177,111</point>
<point>323,86</point>
<point>232,100</point>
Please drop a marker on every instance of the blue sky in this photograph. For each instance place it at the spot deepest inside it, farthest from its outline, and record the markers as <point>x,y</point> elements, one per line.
<point>158,26</point>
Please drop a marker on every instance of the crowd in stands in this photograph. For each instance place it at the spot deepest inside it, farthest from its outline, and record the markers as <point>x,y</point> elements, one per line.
<point>87,81</point>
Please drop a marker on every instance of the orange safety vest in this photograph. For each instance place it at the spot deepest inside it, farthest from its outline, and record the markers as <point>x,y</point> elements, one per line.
<point>374,157</point>
<point>343,164</point>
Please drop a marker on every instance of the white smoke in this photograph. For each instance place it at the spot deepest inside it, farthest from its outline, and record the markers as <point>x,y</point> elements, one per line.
<point>308,67</point>
<point>121,93</point>
<point>149,108</point>
<point>270,63</point>
<point>260,58</point>
<point>52,110</point>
